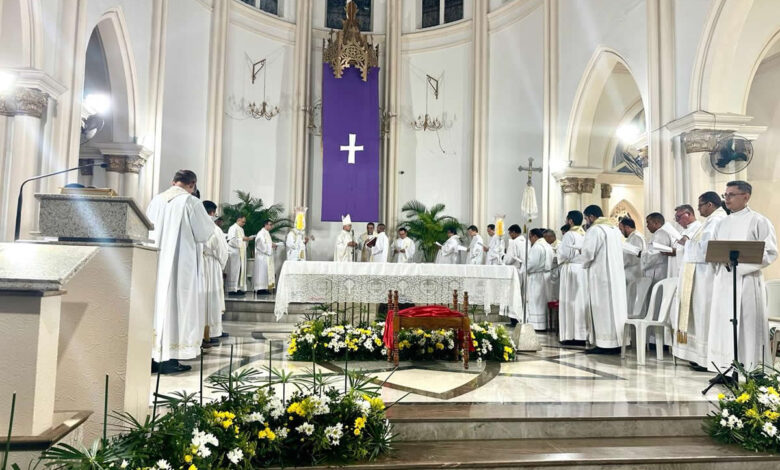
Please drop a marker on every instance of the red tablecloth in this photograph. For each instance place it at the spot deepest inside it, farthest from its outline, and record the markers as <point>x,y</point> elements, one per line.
<point>424,311</point>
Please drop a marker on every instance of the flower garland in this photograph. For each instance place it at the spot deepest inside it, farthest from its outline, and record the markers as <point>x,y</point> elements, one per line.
<point>325,340</point>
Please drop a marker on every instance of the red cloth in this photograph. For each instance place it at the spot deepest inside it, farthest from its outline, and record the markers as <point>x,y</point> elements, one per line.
<point>424,311</point>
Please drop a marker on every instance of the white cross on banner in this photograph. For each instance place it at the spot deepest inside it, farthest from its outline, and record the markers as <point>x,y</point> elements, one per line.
<point>351,148</point>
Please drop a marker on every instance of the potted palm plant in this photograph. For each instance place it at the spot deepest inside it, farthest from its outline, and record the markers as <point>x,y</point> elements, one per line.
<point>428,226</point>
<point>256,214</point>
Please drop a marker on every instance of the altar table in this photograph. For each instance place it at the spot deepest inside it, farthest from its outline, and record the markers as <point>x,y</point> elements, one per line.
<point>328,282</point>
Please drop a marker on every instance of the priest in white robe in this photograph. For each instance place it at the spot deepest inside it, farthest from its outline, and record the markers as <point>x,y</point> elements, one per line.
<point>655,264</point>
<point>694,291</point>
<point>476,246</point>
<point>215,256</point>
<point>236,268</point>
<point>555,275</point>
<point>515,257</point>
<point>449,252</point>
<point>264,273</point>
<point>403,247</point>
<point>381,246</point>
<point>363,240</point>
<point>744,224</point>
<point>494,250</point>
<point>573,302</point>
<point>345,242</point>
<point>602,258</point>
<point>539,264</point>
<point>632,261</point>
<point>295,242</point>
<point>180,225</point>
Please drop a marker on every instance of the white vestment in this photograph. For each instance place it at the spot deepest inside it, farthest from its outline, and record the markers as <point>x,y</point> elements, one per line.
<point>554,287</point>
<point>632,264</point>
<point>365,251</point>
<point>343,252</point>
<point>655,264</point>
<point>476,250</point>
<point>515,256</point>
<point>406,244</point>
<point>539,264</point>
<point>215,256</point>
<point>380,249</point>
<point>495,250</point>
<point>264,273</point>
<point>696,278</point>
<point>236,267</point>
<point>753,332</point>
<point>449,252</point>
<point>602,258</point>
<point>180,225</point>
<point>296,246</point>
<point>573,303</point>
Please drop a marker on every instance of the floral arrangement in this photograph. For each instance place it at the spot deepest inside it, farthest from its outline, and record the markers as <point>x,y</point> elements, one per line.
<point>749,413</point>
<point>249,427</point>
<point>323,338</point>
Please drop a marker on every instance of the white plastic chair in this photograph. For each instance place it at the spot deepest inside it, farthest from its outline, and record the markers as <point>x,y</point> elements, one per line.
<point>773,309</point>
<point>641,288</point>
<point>653,319</point>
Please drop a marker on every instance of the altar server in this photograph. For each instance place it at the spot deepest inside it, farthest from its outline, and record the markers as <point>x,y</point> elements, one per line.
<point>539,264</point>
<point>449,253</point>
<point>381,246</point>
<point>632,262</point>
<point>742,223</point>
<point>694,292</point>
<point>264,274</point>
<point>345,243</point>
<point>602,258</point>
<point>573,302</point>
<point>236,268</point>
<point>404,247</point>
<point>476,246</point>
<point>495,248</point>
<point>180,225</point>
<point>215,256</point>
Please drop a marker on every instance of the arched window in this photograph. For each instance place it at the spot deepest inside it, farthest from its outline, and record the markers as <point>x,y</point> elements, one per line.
<point>335,14</point>
<point>268,6</point>
<point>434,11</point>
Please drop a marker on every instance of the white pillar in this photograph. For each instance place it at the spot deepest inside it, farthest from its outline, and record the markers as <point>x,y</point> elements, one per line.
<point>606,193</point>
<point>392,71</point>
<point>299,167</point>
<point>211,186</point>
<point>551,198</point>
<point>150,180</point>
<point>480,114</point>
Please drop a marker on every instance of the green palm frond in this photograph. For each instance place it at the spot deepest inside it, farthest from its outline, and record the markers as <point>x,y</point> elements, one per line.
<point>428,226</point>
<point>256,213</point>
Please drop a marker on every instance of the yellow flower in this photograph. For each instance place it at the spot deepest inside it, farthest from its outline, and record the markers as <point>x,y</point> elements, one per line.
<point>357,431</point>
<point>377,341</point>
<point>475,344</point>
<point>771,415</point>
<point>507,349</point>
<point>227,423</point>
<point>721,396</point>
<point>192,467</point>
<point>506,357</point>
<point>472,335</point>
<point>772,391</point>
<point>439,346</point>
<point>751,413</point>
<point>743,398</point>
<point>270,434</point>
<point>296,408</point>
<point>419,331</point>
<point>430,349</point>
<point>188,458</point>
<point>360,423</point>
<point>377,404</point>
<point>235,429</point>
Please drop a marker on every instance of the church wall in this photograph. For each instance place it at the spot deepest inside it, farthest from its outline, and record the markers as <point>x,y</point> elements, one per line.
<point>186,82</point>
<point>515,115</point>
<point>690,17</point>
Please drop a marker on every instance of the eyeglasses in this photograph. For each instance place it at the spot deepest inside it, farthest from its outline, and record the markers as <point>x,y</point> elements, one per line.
<point>731,195</point>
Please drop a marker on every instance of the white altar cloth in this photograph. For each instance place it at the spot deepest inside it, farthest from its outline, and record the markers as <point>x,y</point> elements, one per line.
<point>327,282</point>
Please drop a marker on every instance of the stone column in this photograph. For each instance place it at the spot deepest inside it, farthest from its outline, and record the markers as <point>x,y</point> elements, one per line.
<point>606,193</point>
<point>390,142</point>
<point>125,162</point>
<point>216,100</point>
<point>479,116</point>
<point>114,172</point>
<point>573,187</point>
<point>299,162</point>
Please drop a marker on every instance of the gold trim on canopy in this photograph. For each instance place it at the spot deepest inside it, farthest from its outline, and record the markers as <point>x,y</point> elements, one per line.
<point>350,48</point>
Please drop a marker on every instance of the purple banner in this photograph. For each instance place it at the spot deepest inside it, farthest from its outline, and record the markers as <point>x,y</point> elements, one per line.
<point>350,145</point>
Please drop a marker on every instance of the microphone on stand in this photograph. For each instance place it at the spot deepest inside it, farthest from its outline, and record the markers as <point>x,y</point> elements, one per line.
<point>17,227</point>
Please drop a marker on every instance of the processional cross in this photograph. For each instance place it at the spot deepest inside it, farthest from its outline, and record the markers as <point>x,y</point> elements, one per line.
<point>530,169</point>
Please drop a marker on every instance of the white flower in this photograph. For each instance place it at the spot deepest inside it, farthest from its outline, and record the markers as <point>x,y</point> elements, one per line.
<point>320,405</point>
<point>369,344</point>
<point>200,440</point>
<point>235,455</point>
<point>734,422</point>
<point>364,406</point>
<point>163,464</point>
<point>124,464</point>
<point>725,413</point>
<point>255,417</point>
<point>769,429</point>
<point>309,338</point>
<point>276,408</point>
<point>281,433</point>
<point>723,423</point>
<point>334,433</point>
<point>305,428</point>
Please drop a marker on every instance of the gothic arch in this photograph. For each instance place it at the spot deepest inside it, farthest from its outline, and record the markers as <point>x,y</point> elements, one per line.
<point>623,208</point>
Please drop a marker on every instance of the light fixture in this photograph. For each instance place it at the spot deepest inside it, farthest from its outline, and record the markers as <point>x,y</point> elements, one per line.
<point>264,110</point>
<point>428,123</point>
<point>97,103</point>
<point>7,81</point>
<point>627,133</point>
<point>95,106</point>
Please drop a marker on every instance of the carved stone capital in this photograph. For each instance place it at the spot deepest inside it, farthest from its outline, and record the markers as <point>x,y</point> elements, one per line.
<point>573,184</point>
<point>134,164</point>
<point>24,101</point>
<point>606,191</point>
<point>587,185</point>
<point>124,158</point>
<point>116,163</point>
<point>703,140</point>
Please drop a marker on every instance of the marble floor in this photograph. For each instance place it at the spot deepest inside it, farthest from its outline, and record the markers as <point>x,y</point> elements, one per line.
<point>554,375</point>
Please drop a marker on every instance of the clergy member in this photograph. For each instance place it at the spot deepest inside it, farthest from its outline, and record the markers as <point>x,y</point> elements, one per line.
<point>264,275</point>
<point>602,258</point>
<point>744,224</point>
<point>694,291</point>
<point>180,225</point>
<point>296,245</point>
<point>539,264</point>
<point>476,246</point>
<point>555,275</point>
<point>381,246</point>
<point>632,262</point>
<point>684,216</point>
<point>495,248</point>
<point>236,267</point>
<point>515,256</point>
<point>345,243</point>
<point>363,240</point>
<point>450,251</point>
<point>655,264</point>
<point>573,303</point>
<point>403,247</point>
<point>215,256</point>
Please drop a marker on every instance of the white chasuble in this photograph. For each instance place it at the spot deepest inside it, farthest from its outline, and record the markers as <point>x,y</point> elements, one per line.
<point>632,264</point>
<point>296,245</point>
<point>264,273</point>
<point>476,250</point>
<point>236,267</point>
<point>753,332</point>
<point>404,248</point>
<point>215,256</point>
<point>450,251</point>
<point>515,256</point>
<point>343,252</point>
<point>181,224</point>
<point>539,263</point>
<point>380,249</point>
<point>495,250</point>
<point>602,258</point>
<point>365,251</point>
<point>573,301</point>
<point>694,294</point>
